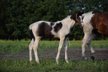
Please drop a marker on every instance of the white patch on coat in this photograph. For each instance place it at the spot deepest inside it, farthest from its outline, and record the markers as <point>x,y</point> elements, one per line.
<point>86,21</point>
<point>87,17</point>
<point>67,23</point>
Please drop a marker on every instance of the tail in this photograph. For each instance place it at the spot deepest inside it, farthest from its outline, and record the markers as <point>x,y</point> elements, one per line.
<point>30,32</point>
<point>30,26</point>
<point>32,38</point>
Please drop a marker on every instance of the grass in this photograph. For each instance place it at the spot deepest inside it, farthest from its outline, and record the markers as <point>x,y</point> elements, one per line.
<point>49,65</point>
<point>9,46</point>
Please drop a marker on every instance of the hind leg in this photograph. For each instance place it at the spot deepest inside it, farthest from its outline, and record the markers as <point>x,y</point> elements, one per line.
<point>92,52</point>
<point>30,50</point>
<point>91,49</point>
<point>35,47</point>
<point>85,44</point>
<point>87,29</point>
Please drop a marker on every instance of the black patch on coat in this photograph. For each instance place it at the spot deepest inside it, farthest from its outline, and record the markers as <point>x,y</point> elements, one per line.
<point>44,30</point>
<point>57,27</point>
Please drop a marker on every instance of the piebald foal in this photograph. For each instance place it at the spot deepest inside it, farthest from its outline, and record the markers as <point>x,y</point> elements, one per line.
<point>59,29</point>
<point>92,21</point>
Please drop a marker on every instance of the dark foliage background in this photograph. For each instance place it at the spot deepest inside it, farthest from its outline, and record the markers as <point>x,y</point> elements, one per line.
<point>17,15</point>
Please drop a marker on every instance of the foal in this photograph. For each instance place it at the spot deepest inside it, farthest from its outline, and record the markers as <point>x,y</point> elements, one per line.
<point>92,21</point>
<point>59,29</point>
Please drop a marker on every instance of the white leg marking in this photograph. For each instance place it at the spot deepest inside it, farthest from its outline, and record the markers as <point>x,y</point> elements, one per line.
<point>35,47</point>
<point>89,44</point>
<point>59,48</point>
<point>85,44</point>
<point>92,50</point>
<point>66,46</point>
<point>30,50</point>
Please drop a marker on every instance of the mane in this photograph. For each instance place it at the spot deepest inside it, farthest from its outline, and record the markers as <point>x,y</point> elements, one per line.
<point>87,12</point>
<point>66,18</point>
<point>95,11</point>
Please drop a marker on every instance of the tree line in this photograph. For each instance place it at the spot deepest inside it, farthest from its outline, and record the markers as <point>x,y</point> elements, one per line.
<point>17,15</point>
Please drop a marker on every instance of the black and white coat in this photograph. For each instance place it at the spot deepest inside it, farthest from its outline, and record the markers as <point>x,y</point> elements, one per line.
<point>59,29</point>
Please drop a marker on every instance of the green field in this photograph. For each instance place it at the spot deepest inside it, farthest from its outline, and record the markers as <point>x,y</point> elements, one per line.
<point>10,46</point>
<point>49,65</point>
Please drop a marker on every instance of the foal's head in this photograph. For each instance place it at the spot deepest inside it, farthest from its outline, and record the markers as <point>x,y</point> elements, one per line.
<point>76,16</point>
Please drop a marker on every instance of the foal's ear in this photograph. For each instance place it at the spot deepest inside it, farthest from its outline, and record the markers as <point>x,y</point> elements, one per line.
<point>75,16</point>
<point>79,13</point>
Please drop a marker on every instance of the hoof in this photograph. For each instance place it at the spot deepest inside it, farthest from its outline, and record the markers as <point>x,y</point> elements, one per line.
<point>31,62</point>
<point>67,62</point>
<point>57,62</point>
<point>92,57</point>
<point>38,62</point>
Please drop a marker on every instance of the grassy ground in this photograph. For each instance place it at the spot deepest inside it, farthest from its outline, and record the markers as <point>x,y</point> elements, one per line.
<point>16,46</point>
<point>49,65</point>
